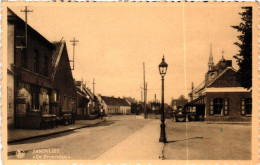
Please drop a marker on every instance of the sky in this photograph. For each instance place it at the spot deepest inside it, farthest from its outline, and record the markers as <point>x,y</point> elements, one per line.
<point>116,38</point>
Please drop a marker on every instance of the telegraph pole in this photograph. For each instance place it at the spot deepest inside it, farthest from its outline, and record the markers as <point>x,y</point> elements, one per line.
<point>141,95</point>
<point>26,11</point>
<point>74,41</point>
<point>144,91</point>
<point>93,86</point>
<point>146,98</point>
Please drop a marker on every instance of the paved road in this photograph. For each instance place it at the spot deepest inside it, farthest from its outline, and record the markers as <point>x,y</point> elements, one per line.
<point>87,143</point>
<point>125,137</point>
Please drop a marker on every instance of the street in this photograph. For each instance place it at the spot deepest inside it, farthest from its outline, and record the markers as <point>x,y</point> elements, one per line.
<point>128,137</point>
<point>87,143</point>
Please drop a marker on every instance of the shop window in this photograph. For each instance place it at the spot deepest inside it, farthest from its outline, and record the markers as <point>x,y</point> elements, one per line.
<point>218,106</point>
<point>35,97</point>
<point>246,106</point>
<point>54,96</point>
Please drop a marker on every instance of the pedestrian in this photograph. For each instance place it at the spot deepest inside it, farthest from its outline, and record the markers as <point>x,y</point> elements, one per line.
<point>73,116</point>
<point>101,113</point>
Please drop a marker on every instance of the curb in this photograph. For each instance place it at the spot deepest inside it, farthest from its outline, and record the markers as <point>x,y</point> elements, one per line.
<point>239,123</point>
<point>54,133</point>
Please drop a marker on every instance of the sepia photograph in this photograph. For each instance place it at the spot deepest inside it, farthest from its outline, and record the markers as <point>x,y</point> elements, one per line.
<point>129,81</point>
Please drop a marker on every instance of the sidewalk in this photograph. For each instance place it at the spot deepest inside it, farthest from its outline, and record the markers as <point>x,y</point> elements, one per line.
<point>229,122</point>
<point>15,135</point>
<point>142,145</point>
<point>204,141</point>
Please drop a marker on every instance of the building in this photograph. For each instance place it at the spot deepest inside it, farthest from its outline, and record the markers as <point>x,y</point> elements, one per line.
<point>88,106</point>
<point>39,76</point>
<point>114,105</point>
<point>220,96</point>
<point>82,101</point>
<point>64,90</point>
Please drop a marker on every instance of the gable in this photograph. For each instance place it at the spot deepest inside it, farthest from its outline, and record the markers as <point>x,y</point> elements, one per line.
<point>227,79</point>
<point>63,78</point>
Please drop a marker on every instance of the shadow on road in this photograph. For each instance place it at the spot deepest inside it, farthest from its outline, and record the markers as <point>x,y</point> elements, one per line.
<point>106,123</point>
<point>43,138</point>
<point>173,141</point>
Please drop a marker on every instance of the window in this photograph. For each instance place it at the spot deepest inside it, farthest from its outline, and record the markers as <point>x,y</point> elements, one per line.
<point>36,61</point>
<point>35,97</point>
<point>46,66</point>
<point>55,97</point>
<point>246,106</point>
<point>218,106</point>
<point>24,58</point>
<point>64,102</point>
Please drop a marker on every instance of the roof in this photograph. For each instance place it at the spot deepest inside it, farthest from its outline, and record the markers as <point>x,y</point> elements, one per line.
<point>89,93</point>
<point>123,102</point>
<point>56,56</point>
<point>115,101</point>
<point>13,17</point>
<point>224,71</point>
<point>203,85</point>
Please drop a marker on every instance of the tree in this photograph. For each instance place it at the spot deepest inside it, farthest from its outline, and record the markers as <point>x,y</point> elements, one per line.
<point>244,56</point>
<point>181,97</point>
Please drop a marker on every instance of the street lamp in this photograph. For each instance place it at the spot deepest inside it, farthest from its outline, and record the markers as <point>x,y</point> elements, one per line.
<point>163,69</point>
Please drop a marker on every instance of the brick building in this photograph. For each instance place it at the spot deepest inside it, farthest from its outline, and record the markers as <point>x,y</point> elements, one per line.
<point>64,90</point>
<point>38,76</point>
<point>220,96</point>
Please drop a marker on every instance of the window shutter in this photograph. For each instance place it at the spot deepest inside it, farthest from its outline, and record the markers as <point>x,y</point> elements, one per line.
<point>211,107</point>
<point>226,106</point>
<point>243,107</point>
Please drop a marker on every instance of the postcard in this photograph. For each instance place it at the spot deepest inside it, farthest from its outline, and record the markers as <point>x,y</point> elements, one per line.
<point>130,82</point>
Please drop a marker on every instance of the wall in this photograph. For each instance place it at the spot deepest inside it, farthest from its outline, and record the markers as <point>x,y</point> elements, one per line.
<point>234,106</point>
<point>65,84</point>
<point>113,109</point>
<point>10,77</point>
<point>126,110</point>
<point>34,43</point>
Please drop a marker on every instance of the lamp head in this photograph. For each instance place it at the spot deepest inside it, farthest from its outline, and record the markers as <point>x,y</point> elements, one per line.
<point>163,67</point>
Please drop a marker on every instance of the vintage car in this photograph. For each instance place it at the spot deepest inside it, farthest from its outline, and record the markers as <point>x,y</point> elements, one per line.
<point>180,115</point>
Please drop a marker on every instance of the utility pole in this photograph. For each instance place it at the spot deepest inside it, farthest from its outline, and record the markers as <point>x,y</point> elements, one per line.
<point>26,11</point>
<point>144,91</point>
<point>141,96</point>
<point>146,97</point>
<point>93,86</point>
<point>74,41</point>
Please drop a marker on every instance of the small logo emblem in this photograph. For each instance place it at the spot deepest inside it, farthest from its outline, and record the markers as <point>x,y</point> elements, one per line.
<point>20,154</point>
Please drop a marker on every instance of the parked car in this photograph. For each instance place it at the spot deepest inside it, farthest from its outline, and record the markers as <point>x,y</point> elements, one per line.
<point>180,115</point>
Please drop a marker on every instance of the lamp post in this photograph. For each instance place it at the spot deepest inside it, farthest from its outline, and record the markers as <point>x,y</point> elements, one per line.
<point>163,69</point>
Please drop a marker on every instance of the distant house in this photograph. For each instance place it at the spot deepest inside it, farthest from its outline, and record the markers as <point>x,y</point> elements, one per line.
<point>220,96</point>
<point>88,105</point>
<point>114,105</point>
<point>82,101</point>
